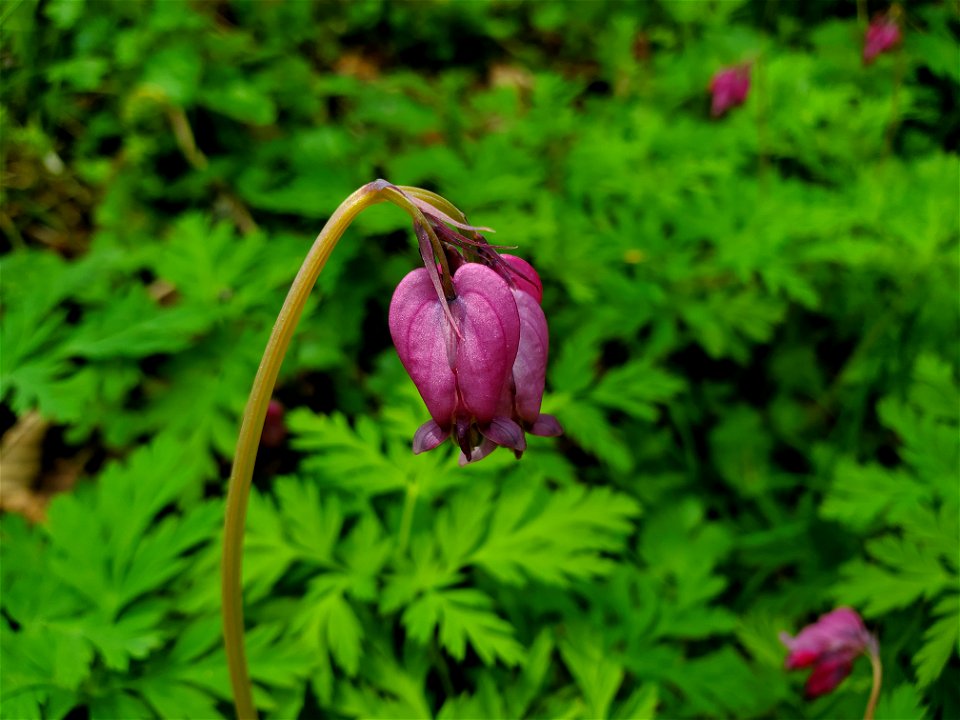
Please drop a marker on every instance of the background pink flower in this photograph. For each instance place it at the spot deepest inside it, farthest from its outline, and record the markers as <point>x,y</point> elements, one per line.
<point>729,88</point>
<point>829,646</point>
<point>883,35</point>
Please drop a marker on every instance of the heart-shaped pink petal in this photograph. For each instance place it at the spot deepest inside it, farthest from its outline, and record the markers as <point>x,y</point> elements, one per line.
<point>530,367</point>
<point>486,313</point>
<point>421,333</point>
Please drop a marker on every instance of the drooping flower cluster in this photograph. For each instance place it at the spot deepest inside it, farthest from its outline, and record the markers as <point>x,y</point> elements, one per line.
<point>471,334</point>
<point>728,88</point>
<point>829,646</point>
<point>883,34</point>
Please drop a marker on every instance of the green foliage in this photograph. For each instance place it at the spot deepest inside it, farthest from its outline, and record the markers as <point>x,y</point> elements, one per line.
<point>915,557</point>
<point>91,605</point>
<point>754,356</point>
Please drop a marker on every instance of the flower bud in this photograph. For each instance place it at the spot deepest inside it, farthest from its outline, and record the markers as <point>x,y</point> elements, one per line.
<point>729,88</point>
<point>883,34</point>
<point>829,646</point>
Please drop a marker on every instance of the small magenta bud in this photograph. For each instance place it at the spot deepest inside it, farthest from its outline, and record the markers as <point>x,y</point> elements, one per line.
<point>729,88</point>
<point>829,646</point>
<point>883,34</point>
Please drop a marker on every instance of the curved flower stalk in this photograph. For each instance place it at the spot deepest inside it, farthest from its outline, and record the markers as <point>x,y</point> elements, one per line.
<point>829,646</point>
<point>475,350</point>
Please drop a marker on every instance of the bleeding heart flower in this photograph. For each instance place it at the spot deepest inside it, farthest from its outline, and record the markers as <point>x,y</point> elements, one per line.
<point>530,367</point>
<point>729,88</point>
<point>883,34</point>
<point>459,353</point>
<point>523,391</point>
<point>830,645</point>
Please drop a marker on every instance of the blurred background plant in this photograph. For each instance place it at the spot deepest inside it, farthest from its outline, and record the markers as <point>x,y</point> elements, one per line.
<point>754,322</point>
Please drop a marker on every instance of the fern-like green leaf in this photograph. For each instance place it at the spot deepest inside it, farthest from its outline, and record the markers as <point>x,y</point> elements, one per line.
<point>463,615</point>
<point>597,674</point>
<point>901,701</point>
<point>553,537</point>
<point>940,641</point>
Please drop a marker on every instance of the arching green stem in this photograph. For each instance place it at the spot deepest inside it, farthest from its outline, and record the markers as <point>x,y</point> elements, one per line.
<point>253,419</point>
<point>877,682</point>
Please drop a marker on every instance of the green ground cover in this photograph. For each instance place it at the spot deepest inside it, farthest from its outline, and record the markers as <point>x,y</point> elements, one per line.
<point>754,325</point>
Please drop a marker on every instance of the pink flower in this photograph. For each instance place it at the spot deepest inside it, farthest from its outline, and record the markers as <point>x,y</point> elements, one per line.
<point>530,368</point>
<point>729,88</point>
<point>470,333</point>
<point>460,371</point>
<point>829,646</point>
<point>523,392</point>
<point>883,34</point>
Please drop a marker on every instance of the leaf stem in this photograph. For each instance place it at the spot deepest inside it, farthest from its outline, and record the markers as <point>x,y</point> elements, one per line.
<point>252,426</point>
<point>877,682</point>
